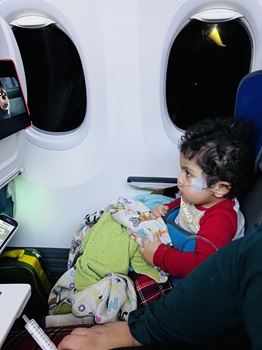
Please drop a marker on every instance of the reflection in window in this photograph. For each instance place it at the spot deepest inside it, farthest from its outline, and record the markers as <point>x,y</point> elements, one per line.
<point>54,77</point>
<point>206,63</point>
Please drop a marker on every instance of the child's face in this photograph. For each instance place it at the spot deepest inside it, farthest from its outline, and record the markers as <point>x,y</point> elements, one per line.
<point>190,194</point>
<point>4,101</point>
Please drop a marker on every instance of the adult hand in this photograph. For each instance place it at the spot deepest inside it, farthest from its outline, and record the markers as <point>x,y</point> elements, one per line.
<point>84,339</point>
<point>100,337</point>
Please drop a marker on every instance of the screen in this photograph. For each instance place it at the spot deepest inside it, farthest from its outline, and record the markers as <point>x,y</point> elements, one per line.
<point>7,229</point>
<point>14,113</point>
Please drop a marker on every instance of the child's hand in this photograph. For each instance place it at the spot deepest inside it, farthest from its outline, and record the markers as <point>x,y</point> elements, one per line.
<point>148,249</point>
<point>159,211</point>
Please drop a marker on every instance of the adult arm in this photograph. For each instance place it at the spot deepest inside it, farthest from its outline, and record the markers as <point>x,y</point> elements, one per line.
<point>218,302</point>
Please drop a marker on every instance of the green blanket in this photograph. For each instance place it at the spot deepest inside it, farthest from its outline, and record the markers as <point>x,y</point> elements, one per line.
<point>107,248</point>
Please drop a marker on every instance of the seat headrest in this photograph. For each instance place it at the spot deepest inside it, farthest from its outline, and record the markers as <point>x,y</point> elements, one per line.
<point>249,106</point>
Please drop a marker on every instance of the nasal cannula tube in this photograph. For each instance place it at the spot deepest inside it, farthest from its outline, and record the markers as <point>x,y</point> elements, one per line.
<point>38,334</point>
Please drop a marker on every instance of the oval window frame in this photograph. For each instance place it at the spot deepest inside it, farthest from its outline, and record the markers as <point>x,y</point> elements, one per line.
<point>209,15</point>
<point>56,141</point>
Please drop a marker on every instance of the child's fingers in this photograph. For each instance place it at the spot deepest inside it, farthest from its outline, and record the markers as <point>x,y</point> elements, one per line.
<point>158,212</point>
<point>156,237</point>
<point>144,242</point>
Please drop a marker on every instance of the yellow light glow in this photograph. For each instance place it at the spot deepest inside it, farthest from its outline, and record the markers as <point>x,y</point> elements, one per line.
<point>214,35</point>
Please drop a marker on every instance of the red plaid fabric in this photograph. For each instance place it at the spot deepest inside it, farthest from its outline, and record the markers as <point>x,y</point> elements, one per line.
<point>149,290</point>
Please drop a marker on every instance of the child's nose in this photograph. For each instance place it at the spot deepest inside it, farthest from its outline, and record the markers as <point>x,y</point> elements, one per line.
<point>179,179</point>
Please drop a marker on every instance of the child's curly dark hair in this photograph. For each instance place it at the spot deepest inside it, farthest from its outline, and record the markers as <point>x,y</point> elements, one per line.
<point>224,150</point>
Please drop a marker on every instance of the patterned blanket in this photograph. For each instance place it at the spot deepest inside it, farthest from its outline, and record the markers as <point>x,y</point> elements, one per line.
<point>106,248</point>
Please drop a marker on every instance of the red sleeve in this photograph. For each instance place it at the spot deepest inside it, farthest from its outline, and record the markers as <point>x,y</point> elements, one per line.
<point>173,204</point>
<point>218,226</point>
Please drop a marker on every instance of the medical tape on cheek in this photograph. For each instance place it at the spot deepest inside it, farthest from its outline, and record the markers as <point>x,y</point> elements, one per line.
<point>198,184</point>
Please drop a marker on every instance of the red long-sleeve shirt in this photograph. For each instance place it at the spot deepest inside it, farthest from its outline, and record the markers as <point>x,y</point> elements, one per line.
<point>219,225</point>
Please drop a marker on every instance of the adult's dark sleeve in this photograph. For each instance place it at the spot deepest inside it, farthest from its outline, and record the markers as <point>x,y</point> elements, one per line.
<point>219,302</point>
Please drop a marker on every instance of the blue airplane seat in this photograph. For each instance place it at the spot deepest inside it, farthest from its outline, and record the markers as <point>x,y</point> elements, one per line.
<point>249,105</point>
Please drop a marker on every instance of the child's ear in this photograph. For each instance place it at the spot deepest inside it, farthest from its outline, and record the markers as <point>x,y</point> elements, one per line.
<point>221,188</point>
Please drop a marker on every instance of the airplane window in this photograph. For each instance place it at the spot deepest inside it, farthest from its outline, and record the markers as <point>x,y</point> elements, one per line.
<point>54,76</point>
<point>205,65</point>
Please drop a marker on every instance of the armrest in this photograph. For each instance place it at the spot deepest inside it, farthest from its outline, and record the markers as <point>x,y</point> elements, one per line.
<point>151,183</point>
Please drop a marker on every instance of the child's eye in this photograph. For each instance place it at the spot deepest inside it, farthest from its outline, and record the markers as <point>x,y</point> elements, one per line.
<point>188,174</point>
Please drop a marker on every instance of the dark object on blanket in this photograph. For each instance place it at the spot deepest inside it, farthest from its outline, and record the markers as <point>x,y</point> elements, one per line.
<point>27,266</point>
<point>169,192</point>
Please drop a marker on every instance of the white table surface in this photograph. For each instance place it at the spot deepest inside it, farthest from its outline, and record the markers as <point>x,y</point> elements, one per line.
<point>13,299</point>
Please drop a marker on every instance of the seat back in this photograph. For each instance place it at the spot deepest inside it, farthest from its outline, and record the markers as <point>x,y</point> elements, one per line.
<point>249,106</point>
